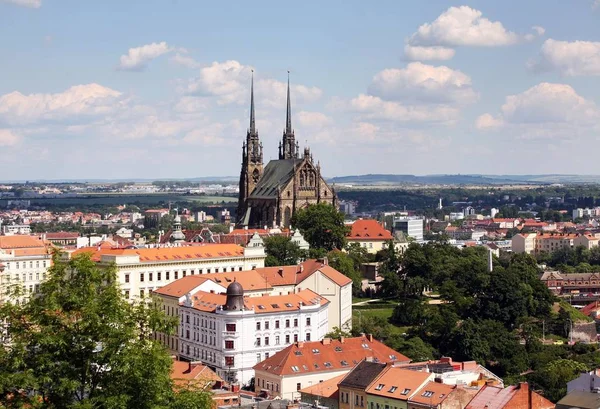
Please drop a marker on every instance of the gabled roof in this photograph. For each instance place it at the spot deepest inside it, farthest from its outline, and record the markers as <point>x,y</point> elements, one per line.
<point>325,389</point>
<point>362,375</point>
<point>580,399</point>
<point>184,372</point>
<point>494,397</point>
<point>292,275</point>
<point>432,393</point>
<point>276,174</point>
<point>397,383</point>
<point>327,355</point>
<point>368,229</point>
<point>20,242</point>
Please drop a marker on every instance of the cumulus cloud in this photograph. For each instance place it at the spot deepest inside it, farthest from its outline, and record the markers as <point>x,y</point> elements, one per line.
<point>33,4</point>
<point>137,58</point>
<point>79,100</point>
<point>9,137</point>
<point>312,119</point>
<point>576,58</point>
<point>229,81</point>
<point>375,108</point>
<point>460,26</point>
<point>181,58</point>
<point>546,109</point>
<point>424,83</point>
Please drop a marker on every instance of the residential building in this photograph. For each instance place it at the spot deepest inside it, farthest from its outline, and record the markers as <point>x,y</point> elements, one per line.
<point>586,382</point>
<point>513,397</point>
<point>523,243</point>
<point>588,241</point>
<point>232,333</point>
<point>440,396</point>
<point>322,394</point>
<point>11,229</point>
<point>24,261</point>
<point>573,283</point>
<point>304,364</point>
<point>506,223</point>
<point>394,387</point>
<point>140,271</point>
<point>369,234</point>
<point>152,217</point>
<point>353,387</point>
<point>579,400</point>
<point>410,226</point>
<point>348,207</point>
<point>65,239</point>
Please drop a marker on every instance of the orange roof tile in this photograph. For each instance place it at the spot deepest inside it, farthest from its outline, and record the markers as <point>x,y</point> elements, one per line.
<point>325,389</point>
<point>368,230</point>
<point>397,383</point>
<point>292,275</point>
<point>184,372</point>
<point>432,393</point>
<point>327,355</point>
<point>250,280</point>
<point>20,242</point>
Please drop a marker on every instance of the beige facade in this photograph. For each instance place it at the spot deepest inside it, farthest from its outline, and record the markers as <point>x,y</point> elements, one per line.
<point>523,243</point>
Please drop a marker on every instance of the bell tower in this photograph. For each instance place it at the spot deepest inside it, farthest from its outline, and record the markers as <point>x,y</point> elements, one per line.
<point>288,147</point>
<point>252,160</point>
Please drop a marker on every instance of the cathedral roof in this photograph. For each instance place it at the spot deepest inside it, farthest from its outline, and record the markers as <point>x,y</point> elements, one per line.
<point>277,173</point>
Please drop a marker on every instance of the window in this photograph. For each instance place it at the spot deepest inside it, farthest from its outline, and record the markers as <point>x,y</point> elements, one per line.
<point>266,340</point>
<point>277,340</point>
<point>258,326</point>
<point>308,336</point>
<point>142,293</point>
<point>316,351</point>
<point>266,324</point>
<point>356,400</point>
<point>427,394</point>
<point>295,322</point>
<point>141,277</point>
<point>257,360</point>
<point>295,368</point>
<point>257,343</point>
<point>379,387</point>
<point>393,389</point>
<point>308,321</point>
<point>176,274</point>
<point>184,273</point>
<point>158,276</point>
<point>298,386</point>
<point>228,344</point>
<point>295,337</point>
<point>405,391</point>
<point>344,363</point>
<point>287,339</point>
<point>230,327</point>
<point>327,364</point>
<point>167,275</point>
<point>126,278</point>
<point>287,323</point>
<point>229,361</point>
<point>187,334</point>
<point>276,324</point>
<point>266,355</point>
<point>149,276</point>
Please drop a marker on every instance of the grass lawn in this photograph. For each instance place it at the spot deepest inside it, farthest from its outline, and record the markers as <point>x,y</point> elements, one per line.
<point>384,313</point>
<point>359,299</point>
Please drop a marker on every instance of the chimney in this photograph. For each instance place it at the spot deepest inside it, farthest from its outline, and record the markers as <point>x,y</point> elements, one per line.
<point>280,271</point>
<point>326,341</point>
<point>370,337</point>
<point>299,344</point>
<point>342,339</point>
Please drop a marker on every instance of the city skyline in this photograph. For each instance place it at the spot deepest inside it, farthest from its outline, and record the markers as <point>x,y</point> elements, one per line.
<point>162,90</point>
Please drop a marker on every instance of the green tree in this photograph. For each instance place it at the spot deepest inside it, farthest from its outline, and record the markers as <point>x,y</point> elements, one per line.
<point>553,377</point>
<point>322,225</point>
<point>344,263</point>
<point>282,251</point>
<point>414,348</point>
<point>79,344</point>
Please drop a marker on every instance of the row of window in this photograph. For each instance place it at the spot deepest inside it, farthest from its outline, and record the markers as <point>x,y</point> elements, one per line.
<point>277,339</point>
<point>23,264</point>
<point>17,277</point>
<point>199,322</point>
<point>159,276</point>
<point>204,338</point>
<point>266,324</point>
<point>272,386</point>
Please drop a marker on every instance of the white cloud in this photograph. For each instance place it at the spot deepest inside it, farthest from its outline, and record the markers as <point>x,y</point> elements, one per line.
<point>375,108</point>
<point>487,121</point>
<point>33,4</point>
<point>545,110</point>
<point>416,53</point>
<point>577,58</point>
<point>460,26</point>
<point>312,119</point>
<point>185,60</point>
<point>424,83</point>
<point>229,81</point>
<point>9,138</point>
<point>79,100</point>
<point>138,58</point>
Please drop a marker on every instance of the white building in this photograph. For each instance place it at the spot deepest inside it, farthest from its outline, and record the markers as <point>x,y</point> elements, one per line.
<point>24,261</point>
<point>231,333</point>
<point>10,229</point>
<point>410,226</point>
<point>141,271</point>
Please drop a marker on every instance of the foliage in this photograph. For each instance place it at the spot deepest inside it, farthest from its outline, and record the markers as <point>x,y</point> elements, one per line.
<point>282,251</point>
<point>322,225</point>
<point>337,333</point>
<point>553,377</point>
<point>344,263</point>
<point>414,348</point>
<point>79,344</point>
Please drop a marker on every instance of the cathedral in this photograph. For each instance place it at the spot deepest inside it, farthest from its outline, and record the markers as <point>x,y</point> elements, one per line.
<point>269,195</point>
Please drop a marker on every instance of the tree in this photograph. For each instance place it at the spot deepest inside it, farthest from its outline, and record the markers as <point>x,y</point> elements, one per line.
<point>414,348</point>
<point>554,376</point>
<point>322,225</point>
<point>282,251</point>
<point>79,344</point>
<point>344,263</point>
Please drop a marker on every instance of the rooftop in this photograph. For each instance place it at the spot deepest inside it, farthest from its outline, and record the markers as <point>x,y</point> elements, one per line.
<point>325,389</point>
<point>398,383</point>
<point>368,229</point>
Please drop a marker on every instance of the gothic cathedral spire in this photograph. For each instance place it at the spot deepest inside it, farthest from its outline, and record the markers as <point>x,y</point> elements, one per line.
<point>288,149</point>
<point>252,159</point>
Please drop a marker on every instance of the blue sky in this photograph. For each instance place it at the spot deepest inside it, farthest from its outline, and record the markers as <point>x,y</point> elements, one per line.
<point>157,89</point>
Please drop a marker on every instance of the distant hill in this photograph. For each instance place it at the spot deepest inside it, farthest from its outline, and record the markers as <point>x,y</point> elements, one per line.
<point>377,179</point>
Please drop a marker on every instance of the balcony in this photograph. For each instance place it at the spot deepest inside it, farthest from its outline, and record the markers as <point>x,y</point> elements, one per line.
<point>230,334</point>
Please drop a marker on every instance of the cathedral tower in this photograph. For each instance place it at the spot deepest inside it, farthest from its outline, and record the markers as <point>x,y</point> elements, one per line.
<point>288,147</point>
<point>252,159</point>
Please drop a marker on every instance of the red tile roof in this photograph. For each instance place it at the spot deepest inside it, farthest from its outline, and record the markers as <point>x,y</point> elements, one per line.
<point>440,392</point>
<point>325,389</point>
<point>368,230</point>
<point>292,275</point>
<point>397,383</point>
<point>20,242</point>
<point>184,372</point>
<point>61,235</point>
<point>494,397</point>
<point>327,355</point>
